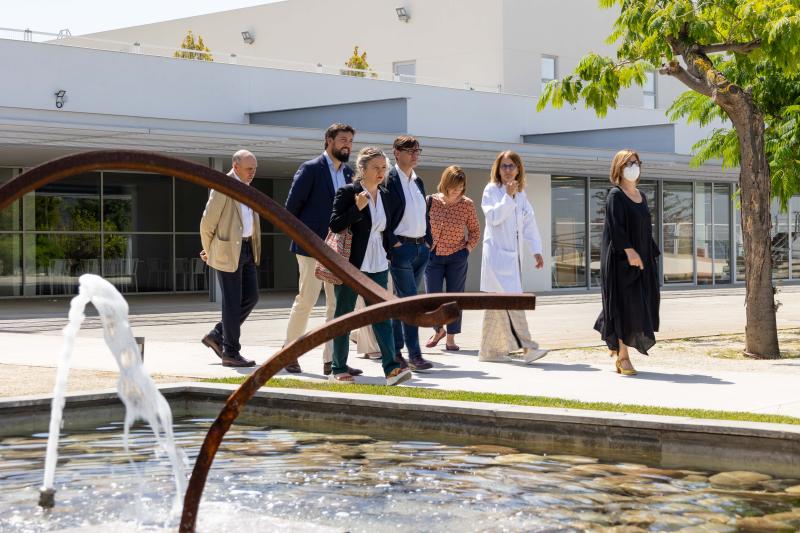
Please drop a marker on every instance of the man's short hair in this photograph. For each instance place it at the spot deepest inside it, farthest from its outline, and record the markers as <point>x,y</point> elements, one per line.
<point>242,154</point>
<point>337,128</point>
<point>405,142</point>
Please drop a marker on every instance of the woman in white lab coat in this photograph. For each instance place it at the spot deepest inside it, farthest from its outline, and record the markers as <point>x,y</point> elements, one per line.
<point>510,227</point>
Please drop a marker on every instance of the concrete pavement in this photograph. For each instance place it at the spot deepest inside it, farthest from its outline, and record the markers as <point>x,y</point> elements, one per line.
<point>30,334</point>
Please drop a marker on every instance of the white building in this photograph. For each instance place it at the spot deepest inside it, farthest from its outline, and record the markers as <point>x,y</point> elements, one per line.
<point>142,230</point>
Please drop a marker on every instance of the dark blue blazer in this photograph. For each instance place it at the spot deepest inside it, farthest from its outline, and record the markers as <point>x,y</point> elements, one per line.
<point>398,202</point>
<point>347,215</point>
<point>311,196</point>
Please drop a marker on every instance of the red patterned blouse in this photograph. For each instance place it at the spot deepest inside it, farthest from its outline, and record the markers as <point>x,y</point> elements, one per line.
<point>449,222</point>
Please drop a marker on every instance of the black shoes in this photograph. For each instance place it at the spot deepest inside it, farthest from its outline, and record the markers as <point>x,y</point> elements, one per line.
<point>293,368</point>
<point>214,344</point>
<point>327,368</point>
<point>417,363</point>
<point>400,360</point>
<point>236,360</point>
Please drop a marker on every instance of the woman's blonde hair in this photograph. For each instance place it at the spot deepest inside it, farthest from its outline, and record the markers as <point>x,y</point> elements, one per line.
<point>453,177</point>
<point>494,176</point>
<point>618,165</point>
<point>367,154</point>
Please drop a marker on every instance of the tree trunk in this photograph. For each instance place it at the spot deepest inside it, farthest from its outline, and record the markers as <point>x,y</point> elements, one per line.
<point>761,332</point>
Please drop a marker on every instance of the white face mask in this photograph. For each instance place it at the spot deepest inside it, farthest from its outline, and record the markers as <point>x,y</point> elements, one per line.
<point>631,173</point>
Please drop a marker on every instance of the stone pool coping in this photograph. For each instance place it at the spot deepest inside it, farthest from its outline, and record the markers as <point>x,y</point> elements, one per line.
<point>668,441</point>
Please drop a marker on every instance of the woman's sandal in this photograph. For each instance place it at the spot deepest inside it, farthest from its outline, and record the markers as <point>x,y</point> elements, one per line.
<point>625,371</point>
<point>436,338</point>
<point>342,378</point>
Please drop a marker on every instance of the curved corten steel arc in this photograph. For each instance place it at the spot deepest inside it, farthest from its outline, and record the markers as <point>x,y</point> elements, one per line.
<point>423,310</point>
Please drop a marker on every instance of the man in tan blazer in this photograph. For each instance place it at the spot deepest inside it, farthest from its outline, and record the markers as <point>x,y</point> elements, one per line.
<point>231,235</point>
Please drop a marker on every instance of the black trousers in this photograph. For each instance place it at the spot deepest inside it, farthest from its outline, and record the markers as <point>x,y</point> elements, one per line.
<point>239,297</point>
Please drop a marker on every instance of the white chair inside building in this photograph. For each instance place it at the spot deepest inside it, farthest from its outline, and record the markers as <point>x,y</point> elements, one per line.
<point>58,276</point>
<point>197,279</point>
<point>157,273</point>
<point>122,273</point>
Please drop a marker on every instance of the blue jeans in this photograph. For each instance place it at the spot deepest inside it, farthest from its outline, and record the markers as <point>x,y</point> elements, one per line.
<point>408,262</point>
<point>345,303</point>
<point>450,270</point>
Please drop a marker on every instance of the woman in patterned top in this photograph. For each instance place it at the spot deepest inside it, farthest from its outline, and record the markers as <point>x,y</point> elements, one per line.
<point>455,231</point>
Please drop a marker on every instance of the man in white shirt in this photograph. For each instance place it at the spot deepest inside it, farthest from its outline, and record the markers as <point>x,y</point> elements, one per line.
<point>231,236</point>
<point>409,241</point>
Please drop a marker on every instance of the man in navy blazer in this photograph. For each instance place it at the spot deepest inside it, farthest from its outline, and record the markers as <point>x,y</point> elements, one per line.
<point>409,241</point>
<point>311,200</point>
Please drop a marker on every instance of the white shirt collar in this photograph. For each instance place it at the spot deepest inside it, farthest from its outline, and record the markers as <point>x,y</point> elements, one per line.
<point>403,174</point>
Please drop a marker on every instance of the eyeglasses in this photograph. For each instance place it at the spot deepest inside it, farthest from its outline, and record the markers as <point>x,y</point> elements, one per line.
<point>412,151</point>
<point>508,166</point>
<point>632,162</point>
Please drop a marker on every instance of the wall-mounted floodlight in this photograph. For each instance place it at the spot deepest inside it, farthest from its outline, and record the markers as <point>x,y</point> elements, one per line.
<point>402,14</point>
<point>60,94</point>
<point>248,37</point>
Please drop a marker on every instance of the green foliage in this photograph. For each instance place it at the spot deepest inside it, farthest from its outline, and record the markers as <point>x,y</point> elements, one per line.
<point>202,53</point>
<point>357,65</point>
<point>769,69</point>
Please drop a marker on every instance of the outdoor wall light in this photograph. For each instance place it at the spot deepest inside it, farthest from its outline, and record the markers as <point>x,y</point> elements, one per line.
<point>60,94</point>
<point>402,14</point>
<point>248,37</point>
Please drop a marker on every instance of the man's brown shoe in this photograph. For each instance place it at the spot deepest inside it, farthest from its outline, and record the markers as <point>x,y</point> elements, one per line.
<point>214,344</point>
<point>236,360</point>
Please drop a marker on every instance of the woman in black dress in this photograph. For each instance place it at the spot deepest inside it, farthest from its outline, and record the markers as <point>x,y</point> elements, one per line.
<point>628,267</point>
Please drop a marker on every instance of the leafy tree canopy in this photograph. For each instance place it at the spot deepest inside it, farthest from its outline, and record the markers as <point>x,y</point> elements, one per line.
<point>712,46</point>
<point>189,43</point>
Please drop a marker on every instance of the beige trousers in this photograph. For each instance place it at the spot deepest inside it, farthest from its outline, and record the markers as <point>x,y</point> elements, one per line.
<point>309,287</point>
<point>498,336</point>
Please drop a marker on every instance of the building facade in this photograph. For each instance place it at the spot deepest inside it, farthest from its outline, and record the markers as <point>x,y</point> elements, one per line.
<point>141,230</point>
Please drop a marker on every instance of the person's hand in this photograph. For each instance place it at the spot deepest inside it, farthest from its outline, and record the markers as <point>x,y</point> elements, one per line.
<point>539,261</point>
<point>362,199</point>
<point>633,258</point>
<point>397,244</point>
<point>512,187</point>
<point>204,256</point>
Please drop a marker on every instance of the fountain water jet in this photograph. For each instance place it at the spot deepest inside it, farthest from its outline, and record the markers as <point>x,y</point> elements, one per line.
<point>136,389</point>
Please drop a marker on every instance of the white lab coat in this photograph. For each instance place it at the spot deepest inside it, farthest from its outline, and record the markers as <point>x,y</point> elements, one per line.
<point>510,224</point>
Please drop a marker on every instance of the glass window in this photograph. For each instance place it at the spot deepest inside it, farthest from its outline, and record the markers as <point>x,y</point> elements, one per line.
<point>71,204</point>
<point>677,254</point>
<point>598,192</point>
<point>780,242</point>
<point>278,269</point>
<point>137,202</point>
<point>405,71</point>
<point>794,213</point>
<point>739,244</point>
<point>191,273</point>
<point>548,69</point>
<point>60,259</point>
<point>703,232</point>
<point>569,232</point>
<point>138,263</point>
<point>278,190</point>
<point>190,201</point>
<point>10,264</point>
<point>722,233</point>
<point>11,216</point>
<point>649,90</point>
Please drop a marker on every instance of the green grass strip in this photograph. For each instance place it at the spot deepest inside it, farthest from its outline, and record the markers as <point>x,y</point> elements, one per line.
<point>517,399</point>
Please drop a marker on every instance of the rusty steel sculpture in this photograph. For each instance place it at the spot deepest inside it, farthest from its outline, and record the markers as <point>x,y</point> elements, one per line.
<point>422,310</point>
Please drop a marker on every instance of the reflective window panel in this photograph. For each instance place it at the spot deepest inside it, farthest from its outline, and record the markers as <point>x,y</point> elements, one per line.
<point>722,233</point>
<point>569,232</point>
<point>191,273</point>
<point>137,202</point>
<point>10,264</point>
<point>794,226</point>
<point>58,260</point>
<point>72,204</point>
<point>676,251</point>
<point>11,216</point>
<point>138,263</point>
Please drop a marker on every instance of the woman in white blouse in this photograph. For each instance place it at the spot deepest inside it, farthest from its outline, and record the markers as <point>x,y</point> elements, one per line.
<point>510,226</point>
<point>362,208</point>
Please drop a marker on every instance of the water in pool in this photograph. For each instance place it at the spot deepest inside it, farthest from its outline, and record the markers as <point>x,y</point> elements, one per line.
<point>273,479</point>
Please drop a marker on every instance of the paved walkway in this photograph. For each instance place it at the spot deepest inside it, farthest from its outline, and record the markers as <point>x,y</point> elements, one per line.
<point>30,335</point>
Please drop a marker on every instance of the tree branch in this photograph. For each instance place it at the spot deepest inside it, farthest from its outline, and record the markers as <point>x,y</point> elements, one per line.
<point>742,48</point>
<point>696,84</point>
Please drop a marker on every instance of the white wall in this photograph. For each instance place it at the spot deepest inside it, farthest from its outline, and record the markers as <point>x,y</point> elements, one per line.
<point>117,83</point>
